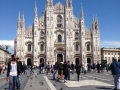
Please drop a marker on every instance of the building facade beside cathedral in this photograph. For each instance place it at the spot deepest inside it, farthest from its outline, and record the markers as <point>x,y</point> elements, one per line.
<point>57,35</point>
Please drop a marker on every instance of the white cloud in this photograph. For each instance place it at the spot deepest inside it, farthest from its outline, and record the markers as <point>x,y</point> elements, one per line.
<point>7,42</point>
<point>110,44</point>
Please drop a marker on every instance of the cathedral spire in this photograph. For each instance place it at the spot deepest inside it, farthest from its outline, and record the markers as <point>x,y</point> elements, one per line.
<point>47,3</point>
<point>93,23</point>
<point>18,19</point>
<point>35,10</point>
<point>23,21</point>
<point>66,3</point>
<point>96,23</point>
<point>70,3</point>
<point>51,2</point>
<point>81,12</point>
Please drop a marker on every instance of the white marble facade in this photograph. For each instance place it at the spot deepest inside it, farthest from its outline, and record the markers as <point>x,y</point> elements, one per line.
<point>57,35</point>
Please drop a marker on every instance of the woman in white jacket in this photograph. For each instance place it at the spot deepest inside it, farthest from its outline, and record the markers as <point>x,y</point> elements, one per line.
<point>85,67</point>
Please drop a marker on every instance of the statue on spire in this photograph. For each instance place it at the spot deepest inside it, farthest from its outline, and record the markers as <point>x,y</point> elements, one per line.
<point>19,19</point>
<point>82,13</point>
<point>66,3</point>
<point>35,10</point>
<point>70,3</point>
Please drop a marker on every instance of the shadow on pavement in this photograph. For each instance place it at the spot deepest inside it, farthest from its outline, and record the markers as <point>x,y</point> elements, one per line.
<point>104,88</point>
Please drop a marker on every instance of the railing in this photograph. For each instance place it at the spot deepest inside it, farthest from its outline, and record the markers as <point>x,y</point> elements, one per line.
<point>59,44</point>
<point>28,52</point>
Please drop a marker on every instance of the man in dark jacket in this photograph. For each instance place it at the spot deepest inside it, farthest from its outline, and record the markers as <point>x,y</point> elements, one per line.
<point>78,69</point>
<point>12,72</point>
<point>18,76</point>
<point>65,71</point>
<point>115,69</point>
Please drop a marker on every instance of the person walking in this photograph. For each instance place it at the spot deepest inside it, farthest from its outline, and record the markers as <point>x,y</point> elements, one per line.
<point>12,72</point>
<point>107,67</point>
<point>85,66</point>
<point>60,70</point>
<point>69,67</point>
<point>78,68</point>
<point>65,71</point>
<point>98,67</point>
<point>40,68</point>
<point>0,69</point>
<point>115,69</point>
<point>55,74</point>
<point>18,76</point>
<point>24,68</point>
<point>72,67</point>
<point>31,69</point>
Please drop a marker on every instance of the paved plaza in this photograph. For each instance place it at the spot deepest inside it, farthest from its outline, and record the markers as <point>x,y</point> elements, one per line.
<point>90,81</point>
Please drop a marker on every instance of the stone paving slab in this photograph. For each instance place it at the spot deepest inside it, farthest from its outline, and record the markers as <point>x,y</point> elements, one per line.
<point>36,83</point>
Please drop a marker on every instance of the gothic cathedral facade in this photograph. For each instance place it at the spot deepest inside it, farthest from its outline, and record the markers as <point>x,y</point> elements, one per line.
<point>57,35</point>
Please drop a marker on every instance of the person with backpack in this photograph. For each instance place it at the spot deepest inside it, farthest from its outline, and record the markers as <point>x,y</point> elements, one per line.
<point>60,70</point>
<point>115,69</point>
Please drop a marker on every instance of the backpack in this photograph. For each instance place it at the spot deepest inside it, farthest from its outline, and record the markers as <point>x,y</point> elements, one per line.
<point>60,66</point>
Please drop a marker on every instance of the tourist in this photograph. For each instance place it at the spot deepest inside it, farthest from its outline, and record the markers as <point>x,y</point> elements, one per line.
<point>69,67</point>
<point>60,70</point>
<point>12,72</point>
<point>85,68</point>
<point>24,68</point>
<point>115,69</point>
<point>78,69</point>
<point>72,67</point>
<point>55,74</point>
<point>18,76</point>
<point>40,68</point>
<point>65,71</point>
<point>98,67</point>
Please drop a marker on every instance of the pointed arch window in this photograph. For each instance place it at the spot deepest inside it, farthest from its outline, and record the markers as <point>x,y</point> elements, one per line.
<point>41,47</point>
<point>29,47</point>
<point>59,21</point>
<point>76,48</point>
<point>59,38</point>
<point>76,35</point>
<point>88,47</point>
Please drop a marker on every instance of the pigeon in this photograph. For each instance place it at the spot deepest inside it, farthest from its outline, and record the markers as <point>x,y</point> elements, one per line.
<point>95,78</point>
<point>31,85</point>
<point>41,82</point>
<point>31,78</point>
<point>36,76</point>
<point>55,84</point>
<point>61,89</point>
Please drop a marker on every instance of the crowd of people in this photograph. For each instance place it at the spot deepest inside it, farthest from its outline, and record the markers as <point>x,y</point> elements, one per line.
<point>60,70</point>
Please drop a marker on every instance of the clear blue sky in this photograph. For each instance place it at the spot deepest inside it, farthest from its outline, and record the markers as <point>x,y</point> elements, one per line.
<point>108,12</point>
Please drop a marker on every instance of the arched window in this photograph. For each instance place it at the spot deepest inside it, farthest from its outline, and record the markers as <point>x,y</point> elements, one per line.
<point>42,34</point>
<point>29,47</point>
<point>41,47</point>
<point>88,47</point>
<point>76,48</point>
<point>76,35</point>
<point>59,21</point>
<point>59,38</point>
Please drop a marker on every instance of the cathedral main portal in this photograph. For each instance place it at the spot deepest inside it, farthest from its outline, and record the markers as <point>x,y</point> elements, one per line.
<point>29,62</point>
<point>59,57</point>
